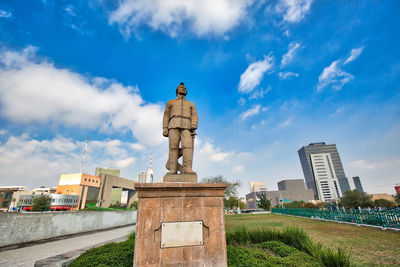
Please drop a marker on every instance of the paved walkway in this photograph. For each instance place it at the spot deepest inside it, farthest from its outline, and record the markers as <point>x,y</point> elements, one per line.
<point>27,256</point>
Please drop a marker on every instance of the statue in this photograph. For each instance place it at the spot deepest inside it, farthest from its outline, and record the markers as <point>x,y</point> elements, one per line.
<point>179,125</point>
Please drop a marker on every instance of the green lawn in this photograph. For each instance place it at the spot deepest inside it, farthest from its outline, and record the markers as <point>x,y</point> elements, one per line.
<point>368,246</point>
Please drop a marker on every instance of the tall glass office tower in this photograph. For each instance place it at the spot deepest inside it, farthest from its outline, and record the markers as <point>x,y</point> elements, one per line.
<point>323,170</point>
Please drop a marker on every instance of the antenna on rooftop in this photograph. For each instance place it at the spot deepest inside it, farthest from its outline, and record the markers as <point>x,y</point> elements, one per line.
<point>84,153</point>
<point>151,162</point>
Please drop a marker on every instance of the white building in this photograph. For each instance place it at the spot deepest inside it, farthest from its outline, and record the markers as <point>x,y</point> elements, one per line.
<point>326,181</point>
<point>257,186</point>
<point>147,176</point>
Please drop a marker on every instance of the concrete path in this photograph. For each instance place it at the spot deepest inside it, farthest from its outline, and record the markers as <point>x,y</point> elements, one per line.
<point>27,256</point>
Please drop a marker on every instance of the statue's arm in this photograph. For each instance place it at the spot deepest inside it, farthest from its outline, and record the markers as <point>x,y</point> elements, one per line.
<point>166,118</point>
<point>194,117</point>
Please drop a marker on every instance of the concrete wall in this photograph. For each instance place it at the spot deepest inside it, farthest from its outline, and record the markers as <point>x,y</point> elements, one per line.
<point>16,228</point>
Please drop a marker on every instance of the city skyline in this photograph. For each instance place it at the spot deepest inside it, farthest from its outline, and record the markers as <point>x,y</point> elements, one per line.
<point>267,78</point>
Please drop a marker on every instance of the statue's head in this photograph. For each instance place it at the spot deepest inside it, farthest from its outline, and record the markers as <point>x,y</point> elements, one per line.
<point>181,89</point>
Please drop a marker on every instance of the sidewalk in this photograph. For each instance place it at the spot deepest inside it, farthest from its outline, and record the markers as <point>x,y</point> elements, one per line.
<point>27,256</point>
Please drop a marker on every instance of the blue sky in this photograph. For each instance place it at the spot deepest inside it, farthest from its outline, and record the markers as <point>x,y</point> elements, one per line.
<point>267,78</point>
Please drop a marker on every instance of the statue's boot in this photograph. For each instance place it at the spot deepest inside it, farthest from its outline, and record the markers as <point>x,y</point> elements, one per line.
<point>173,161</point>
<point>187,161</point>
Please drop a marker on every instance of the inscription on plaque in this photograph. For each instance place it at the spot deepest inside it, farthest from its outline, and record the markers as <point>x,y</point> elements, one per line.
<point>180,234</point>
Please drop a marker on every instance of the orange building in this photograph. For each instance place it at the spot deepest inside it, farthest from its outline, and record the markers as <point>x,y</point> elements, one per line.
<point>85,186</point>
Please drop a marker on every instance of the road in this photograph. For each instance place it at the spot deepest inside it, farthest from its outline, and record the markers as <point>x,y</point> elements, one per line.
<point>27,256</point>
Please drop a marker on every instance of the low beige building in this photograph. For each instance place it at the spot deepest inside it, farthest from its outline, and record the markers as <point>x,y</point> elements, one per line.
<point>382,196</point>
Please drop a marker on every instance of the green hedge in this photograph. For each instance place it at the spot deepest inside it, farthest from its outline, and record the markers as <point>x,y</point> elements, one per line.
<point>291,236</point>
<point>258,248</point>
<point>112,255</point>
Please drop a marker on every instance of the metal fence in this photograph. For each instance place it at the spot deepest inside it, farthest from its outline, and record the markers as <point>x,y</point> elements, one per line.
<point>385,219</point>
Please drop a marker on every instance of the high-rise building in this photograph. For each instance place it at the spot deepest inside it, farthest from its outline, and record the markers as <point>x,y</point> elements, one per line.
<point>323,170</point>
<point>147,176</point>
<point>257,186</point>
<point>357,184</point>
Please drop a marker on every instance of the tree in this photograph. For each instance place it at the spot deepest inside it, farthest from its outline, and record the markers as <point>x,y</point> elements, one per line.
<point>295,204</point>
<point>231,202</point>
<point>355,199</point>
<point>232,189</point>
<point>309,205</point>
<point>41,203</point>
<point>242,205</point>
<point>383,203</point>
<point>134,205</point>
<point>397,199</point>
<point>264,203</point>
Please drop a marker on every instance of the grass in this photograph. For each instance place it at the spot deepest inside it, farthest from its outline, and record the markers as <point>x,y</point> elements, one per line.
<point>92,207</point>
<point>367,246</point>
<point>277,240</point>
<point>112,254</point>
<point>285,242</point>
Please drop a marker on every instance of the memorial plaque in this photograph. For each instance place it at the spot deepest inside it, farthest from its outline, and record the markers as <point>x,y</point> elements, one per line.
<point>179,234</point>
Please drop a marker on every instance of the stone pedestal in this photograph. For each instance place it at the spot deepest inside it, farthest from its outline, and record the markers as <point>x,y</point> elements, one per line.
<point>192,218</point>
<point>180,178</point>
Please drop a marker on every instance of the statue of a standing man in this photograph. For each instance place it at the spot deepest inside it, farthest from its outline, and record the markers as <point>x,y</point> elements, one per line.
<point>179,125</point>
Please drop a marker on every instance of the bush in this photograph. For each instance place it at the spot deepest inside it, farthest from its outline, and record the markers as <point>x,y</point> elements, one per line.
<point>41,203</point>
<point>112,254</point>
<point>291,236</point>
<point>243,257</point>
<point>279,248</point>
<point>259,248</point>
<point>261,256</point>
<point>134,205</point>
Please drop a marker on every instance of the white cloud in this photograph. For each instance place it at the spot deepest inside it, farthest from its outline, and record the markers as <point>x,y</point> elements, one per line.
<point>70,10</point>
<point>171,16</point>
<point>241,101</point>
<point>293,10</point>
<point>287,75</point>
<point>288,57</point>
<point>123,163</point>
<point>34,90</point>
<point>355,53</point>
<point>245,155</point>
<point>286,123</point>
<point>334,76</point>
<point>207,151</point>
<point>32,162</point>
<point>338,111</point>
<point>286,33</point>
<point>362,164</point>
<point>137,146</point>
<point>3,131</point>
<point>5,14</point>
<point>219,156</point>
<point>254,74</point>
<point>238,168</point>
<point>250,112</point>
<point>259,94</point>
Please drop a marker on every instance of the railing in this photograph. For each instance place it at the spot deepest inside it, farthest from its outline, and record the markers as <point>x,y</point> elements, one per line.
<point>385,219</point>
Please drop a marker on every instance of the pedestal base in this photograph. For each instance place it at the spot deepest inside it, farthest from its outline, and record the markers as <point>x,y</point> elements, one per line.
<point>194,211</point>
<point>180,178</point>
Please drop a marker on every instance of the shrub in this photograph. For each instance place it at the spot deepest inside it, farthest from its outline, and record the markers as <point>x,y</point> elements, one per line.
<point>259,248</point>
<point>243,257</point>
<point>134,205</point>
<point>112,254</point>
<point>279,248</point>
<point>41,203</point>
<point>291,236</point>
